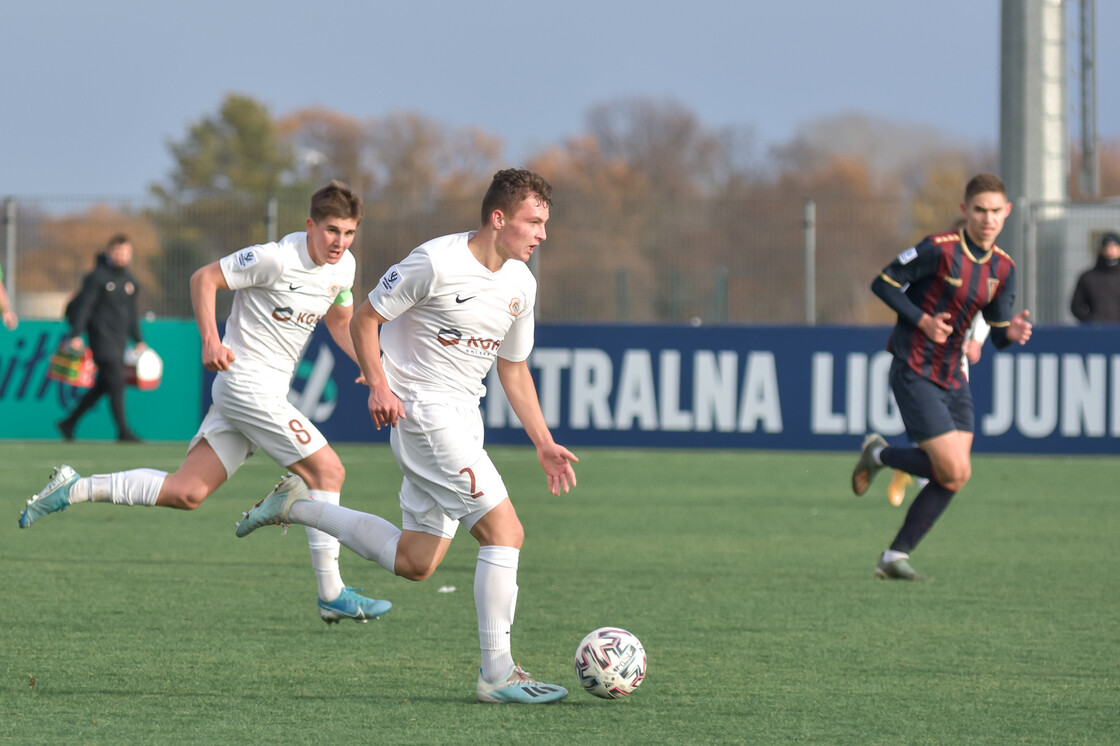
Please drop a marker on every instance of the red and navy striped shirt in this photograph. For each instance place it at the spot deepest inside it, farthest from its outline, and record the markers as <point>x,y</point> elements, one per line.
<point>946,272</point>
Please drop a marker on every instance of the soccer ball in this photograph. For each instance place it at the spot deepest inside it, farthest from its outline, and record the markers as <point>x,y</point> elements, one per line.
<point>610,663</point>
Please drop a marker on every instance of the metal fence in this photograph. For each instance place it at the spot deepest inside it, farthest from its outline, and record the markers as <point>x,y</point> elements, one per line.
<point>607,260</point>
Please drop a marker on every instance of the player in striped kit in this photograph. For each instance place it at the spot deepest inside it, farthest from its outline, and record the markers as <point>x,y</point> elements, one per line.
<point>948,279</point>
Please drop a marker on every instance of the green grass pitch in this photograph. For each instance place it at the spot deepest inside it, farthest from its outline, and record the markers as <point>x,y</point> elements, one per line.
<point>747,576</point>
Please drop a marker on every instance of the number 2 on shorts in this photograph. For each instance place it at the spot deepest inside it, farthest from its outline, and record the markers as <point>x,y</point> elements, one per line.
<point>467,470</point>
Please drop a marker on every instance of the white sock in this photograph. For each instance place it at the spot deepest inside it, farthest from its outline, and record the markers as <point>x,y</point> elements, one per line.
<point>367,535</point>
<point>891,555</point>
<point>875,453</point>
<point>134,487</point>
<point>324,552</point>
<point>495,599</point>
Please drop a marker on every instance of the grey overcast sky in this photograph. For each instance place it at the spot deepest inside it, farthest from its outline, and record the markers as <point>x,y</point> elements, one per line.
<point>95,91</point>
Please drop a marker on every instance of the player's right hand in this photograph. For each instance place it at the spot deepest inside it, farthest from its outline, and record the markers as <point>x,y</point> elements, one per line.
<point>936,327</point>
<point>385,409</point>
<point>557,463</point>
<point>217,357</point>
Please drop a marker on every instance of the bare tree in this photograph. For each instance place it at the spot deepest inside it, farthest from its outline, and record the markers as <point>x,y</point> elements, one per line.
<point>328,145</point>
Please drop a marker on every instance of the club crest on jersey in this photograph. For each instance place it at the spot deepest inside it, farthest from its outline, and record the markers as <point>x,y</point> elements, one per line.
<point>390,280</point>
<point>993,288</point>
<point>246,258</point>
<point>515,306</point>
<point>332,291</point>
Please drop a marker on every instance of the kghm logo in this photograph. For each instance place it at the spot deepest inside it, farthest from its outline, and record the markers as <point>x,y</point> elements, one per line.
<point>449,337</point>
<point>304,318</point>
<point>484,343</point>
<point>483,347</point>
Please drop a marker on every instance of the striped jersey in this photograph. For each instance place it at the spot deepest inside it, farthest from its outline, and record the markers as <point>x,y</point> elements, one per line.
<point>946,272</point>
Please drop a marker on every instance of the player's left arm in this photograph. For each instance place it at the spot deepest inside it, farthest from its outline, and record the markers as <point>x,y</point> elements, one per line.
<point>338,324</point>
<point>10,319</point>
<point>556,460</point>
<point>974,338</point>
<point>1005,328</point>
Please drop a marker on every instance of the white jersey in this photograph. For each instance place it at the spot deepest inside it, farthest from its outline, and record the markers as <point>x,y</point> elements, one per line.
<point>449,317</point>
<point>280,296</point>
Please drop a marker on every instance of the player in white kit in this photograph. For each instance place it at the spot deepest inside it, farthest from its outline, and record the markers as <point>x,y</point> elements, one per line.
<point>425,340</point>
<point>281,291</point>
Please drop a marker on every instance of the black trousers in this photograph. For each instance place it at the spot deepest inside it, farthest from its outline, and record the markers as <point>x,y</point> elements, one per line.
<point>109,382</point>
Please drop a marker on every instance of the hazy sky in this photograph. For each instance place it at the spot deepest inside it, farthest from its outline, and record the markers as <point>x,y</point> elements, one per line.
<point>94,91</point>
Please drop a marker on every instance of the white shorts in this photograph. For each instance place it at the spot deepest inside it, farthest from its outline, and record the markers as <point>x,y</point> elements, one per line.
<point>448,476</point>
<point>245,417</point>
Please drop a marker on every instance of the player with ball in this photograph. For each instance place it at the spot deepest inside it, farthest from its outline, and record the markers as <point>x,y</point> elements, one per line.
<point>425,339</point>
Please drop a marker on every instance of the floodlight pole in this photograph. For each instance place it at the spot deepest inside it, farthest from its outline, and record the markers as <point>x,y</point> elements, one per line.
<point>1090,177</point>
<point>10,248</point>
<point>810,238</point>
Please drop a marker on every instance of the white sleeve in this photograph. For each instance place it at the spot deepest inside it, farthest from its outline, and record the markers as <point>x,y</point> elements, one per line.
<point>253,266</point>
<point>979,330</point>
<point>519,339</point>
<point>405,284</point>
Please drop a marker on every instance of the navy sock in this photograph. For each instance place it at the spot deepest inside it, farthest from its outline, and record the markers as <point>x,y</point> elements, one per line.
<point>910,460</point>
<point>927,508</point>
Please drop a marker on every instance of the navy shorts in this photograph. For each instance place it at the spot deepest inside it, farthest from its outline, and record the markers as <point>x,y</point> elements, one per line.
<point>927,409</point>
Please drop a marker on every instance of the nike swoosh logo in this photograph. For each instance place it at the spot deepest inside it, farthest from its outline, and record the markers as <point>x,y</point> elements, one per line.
<point>294,287</point>
<point>463,300</point>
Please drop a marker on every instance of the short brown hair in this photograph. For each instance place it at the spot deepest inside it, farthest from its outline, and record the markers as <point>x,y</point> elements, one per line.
<point>982,183</point>
<point>116,240</point>
<point>336,200</point>
<point>510,187</point>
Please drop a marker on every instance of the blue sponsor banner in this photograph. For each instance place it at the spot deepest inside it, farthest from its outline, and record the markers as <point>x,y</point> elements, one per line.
<point>779,388</point>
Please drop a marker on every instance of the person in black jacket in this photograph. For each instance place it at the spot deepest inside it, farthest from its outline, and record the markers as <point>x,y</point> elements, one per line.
<point>1096,299</point>
<point>105,311</point>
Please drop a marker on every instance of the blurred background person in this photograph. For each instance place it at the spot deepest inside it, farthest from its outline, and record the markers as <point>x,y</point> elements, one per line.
<point>105,311</point>
<point>1096,298</point>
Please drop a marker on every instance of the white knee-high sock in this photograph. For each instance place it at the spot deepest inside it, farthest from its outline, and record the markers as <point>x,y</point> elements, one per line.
<point>495,599</point>
<point>134,487</point>
<point>324,552</point>
<point>365,534</point>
